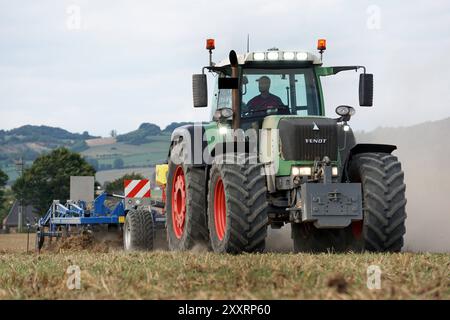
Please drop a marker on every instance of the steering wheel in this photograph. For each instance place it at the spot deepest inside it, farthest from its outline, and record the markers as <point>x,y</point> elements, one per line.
<point>250,113</point>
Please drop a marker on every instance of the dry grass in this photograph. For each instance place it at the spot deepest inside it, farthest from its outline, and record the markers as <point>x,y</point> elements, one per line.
<point>188,275</point>
<point>16,242</point>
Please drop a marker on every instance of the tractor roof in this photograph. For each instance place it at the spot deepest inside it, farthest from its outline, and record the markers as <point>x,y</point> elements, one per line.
<point>273,56</point>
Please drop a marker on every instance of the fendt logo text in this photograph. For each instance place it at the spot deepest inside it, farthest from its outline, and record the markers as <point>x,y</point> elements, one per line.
<point>315,140</point>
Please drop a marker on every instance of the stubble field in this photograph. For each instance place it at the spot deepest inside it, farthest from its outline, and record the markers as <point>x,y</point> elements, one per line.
<point>106,272</point>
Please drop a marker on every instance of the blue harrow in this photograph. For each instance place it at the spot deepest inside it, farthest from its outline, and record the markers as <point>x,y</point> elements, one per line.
<point>62,220</point>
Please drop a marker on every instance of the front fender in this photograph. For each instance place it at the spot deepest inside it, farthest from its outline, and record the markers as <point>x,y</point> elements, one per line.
<point>372,147</point>
<point>365,148</point>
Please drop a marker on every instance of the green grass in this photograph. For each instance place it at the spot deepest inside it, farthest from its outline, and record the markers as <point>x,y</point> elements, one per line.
<point>204,275</point>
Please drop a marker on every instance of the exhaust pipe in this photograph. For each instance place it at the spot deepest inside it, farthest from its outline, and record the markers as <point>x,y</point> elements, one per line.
<point>236,123</point>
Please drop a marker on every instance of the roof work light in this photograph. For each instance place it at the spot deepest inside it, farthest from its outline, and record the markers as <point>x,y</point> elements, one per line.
<point>321,44</point>
<point>210,46</point>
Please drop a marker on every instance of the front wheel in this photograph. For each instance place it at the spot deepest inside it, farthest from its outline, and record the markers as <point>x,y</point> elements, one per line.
<point>384,202</point>
<point>237,207</point>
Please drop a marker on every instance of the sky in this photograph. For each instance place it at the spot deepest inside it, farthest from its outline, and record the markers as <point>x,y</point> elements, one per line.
<point>101,65</point>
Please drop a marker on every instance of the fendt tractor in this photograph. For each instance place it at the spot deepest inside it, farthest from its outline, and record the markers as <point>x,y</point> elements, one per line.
<point>270,157</point>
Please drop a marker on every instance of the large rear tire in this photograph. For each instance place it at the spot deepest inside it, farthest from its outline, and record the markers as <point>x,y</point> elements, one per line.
<point>237,206</point>
<point>384,203</point>
<point>138,231</point>
<point>186,207</point>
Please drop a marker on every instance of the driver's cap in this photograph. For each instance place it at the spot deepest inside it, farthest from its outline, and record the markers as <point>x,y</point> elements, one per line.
<point>263,78</point>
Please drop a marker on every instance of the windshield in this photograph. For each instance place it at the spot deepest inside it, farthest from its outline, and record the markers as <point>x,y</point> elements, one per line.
<point>281,91</point>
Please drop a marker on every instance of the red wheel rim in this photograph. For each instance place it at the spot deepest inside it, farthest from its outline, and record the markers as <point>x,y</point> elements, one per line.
<point>178,202</point>
<point>357,228</point>
<point>220,209</point>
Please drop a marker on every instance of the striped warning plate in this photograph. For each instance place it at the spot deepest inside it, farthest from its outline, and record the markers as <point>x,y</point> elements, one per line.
<point>137,188</point>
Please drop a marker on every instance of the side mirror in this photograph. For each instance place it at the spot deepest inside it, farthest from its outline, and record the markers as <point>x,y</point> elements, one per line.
<point>366,90</point>
<point>200,90</point>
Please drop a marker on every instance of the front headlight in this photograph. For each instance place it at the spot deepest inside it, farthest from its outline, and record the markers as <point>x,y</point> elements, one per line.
<point>301,171</point>
<point>223,130</point>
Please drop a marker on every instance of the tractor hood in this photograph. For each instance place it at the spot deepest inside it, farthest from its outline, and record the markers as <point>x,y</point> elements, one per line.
<point>300,141</point>
<point>308,139</point>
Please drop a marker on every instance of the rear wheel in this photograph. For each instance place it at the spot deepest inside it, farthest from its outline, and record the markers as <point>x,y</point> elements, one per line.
<point>383,226</point>
<point>138,230</point>
<point>237,207</point>
<point>185,207</point>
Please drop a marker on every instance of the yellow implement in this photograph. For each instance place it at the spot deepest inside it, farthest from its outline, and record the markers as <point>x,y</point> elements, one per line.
<point>161,174</point>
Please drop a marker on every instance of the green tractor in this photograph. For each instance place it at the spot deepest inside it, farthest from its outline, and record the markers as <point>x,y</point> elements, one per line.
<point>270,156</point>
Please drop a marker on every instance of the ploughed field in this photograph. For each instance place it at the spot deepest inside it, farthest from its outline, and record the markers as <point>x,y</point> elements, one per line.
<point>109,273</point>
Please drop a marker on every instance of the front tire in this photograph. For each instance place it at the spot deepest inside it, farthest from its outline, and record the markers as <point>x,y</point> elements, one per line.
<point>384,202</point>
<point>237,207</point>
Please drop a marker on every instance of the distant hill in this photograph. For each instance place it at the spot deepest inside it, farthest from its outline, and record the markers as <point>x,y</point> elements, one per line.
<point>146,132</point>
<point>142,147</point>
<point>174,125</point>
<point>143,134</point>
<point>30,141</point>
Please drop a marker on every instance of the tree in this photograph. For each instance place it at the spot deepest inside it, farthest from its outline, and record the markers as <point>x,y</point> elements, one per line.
<point>3,181</point>
<point>118,163</point>
<point>116,186</point>
<point>49,178</point>
<point>113,133</point>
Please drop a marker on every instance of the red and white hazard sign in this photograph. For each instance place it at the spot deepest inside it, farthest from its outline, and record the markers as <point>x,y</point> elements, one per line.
<point>137,188</point>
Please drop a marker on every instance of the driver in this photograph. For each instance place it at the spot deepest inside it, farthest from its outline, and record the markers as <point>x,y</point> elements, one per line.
<point>265,100</point>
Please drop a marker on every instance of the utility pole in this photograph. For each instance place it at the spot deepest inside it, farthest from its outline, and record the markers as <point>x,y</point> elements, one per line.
<point>19,166</point>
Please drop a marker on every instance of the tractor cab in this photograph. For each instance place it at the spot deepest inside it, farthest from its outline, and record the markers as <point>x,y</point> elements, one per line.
<point>254,85</point>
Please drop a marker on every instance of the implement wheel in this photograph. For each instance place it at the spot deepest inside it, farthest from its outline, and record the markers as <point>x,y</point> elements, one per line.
<point>138,231</point>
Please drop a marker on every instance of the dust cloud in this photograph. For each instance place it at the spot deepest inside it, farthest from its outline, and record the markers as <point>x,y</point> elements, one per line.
<point>424,151</point>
